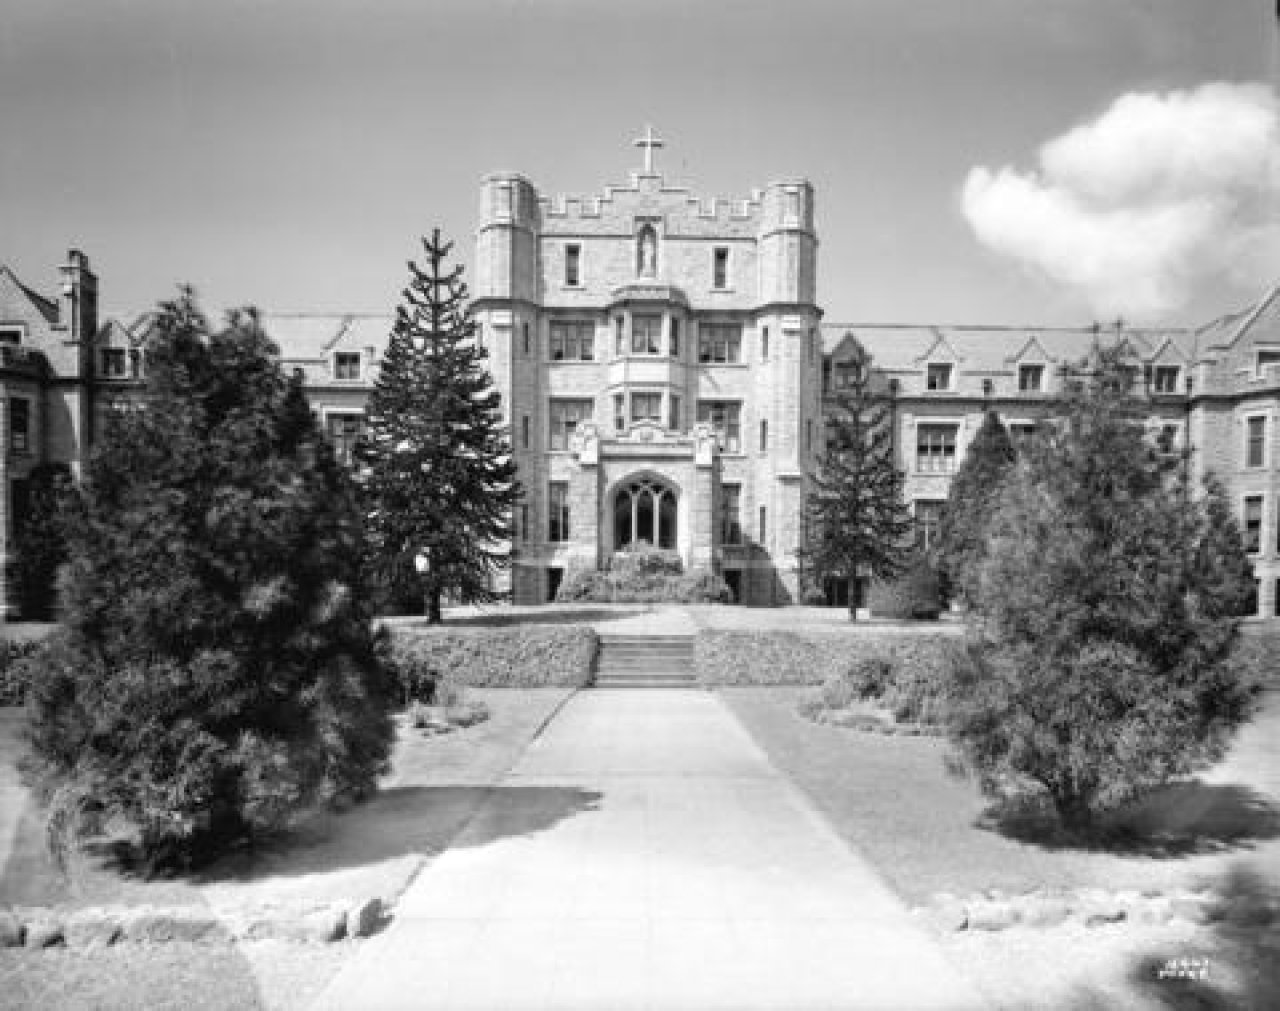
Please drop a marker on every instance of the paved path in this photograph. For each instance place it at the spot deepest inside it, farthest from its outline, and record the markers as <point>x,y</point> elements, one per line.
<point>645,854</point>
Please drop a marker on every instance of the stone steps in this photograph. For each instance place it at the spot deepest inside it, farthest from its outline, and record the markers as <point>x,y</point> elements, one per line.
<point>645,661</point>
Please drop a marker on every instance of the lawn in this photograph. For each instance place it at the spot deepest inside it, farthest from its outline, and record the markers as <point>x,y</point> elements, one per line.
<point>374,850</point>
<point>892,800</point>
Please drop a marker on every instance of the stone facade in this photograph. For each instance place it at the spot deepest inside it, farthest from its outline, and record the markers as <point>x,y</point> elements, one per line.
<point>663,364</point>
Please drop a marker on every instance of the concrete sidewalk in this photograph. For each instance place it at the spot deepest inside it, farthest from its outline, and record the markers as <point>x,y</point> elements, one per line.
<point>645,854</point>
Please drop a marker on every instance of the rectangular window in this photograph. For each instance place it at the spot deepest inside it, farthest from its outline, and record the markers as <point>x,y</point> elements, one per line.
<point>936,449</point>
<point>1255,441</point>
<point>1166,379</point>
<point>1275,604</point>
<point>764,344</point>
<point>731,514</point>
<point>808,436</point>
<point>19,424</point>
<point>564,417</point>
<point>764,434</point>
<point>764,524</point>
<point>675,338</point>
<point>938,377</point>
<point>344,432</point>
<point>10,335</point>
<point>1167,438</point>
<point>1266,358</point>
<point>558,511</point>
<point>524,521</point>
<point>619,412</point>
<point>572,265</point>
<point>646,407</point>
<point>1253,524</point>
<point>720,342</point>
<point>847,374</point>
<point>813,343</point>
<point>928,522</point>
<point>114,363</point>
<point>346,365</point>
<point>720,267</point>
<point>646,334</point>
<point>619,340</point>
<point>725,417</point>
<point>1031,378</point>
<point>573,340</point>
<point>524,430</point>
<point>524,329</point>
<point>674,413</point>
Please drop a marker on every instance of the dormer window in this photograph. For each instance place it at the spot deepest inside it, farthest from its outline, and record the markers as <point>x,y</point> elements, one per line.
<point>572,266</point>
<point>938,376</point>
<point>1166,378</point>
<point>720,267</point>
<point>1031,378</point>
<point>346,365</point>
<point>1265,358</point>
<point>114,363</point>
<point>10,335</point>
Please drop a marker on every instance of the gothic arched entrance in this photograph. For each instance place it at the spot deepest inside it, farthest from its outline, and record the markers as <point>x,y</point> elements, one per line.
<point>644,510</point>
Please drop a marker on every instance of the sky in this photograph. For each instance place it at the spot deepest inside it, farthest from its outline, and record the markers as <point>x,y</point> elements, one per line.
<point>1019,162</point>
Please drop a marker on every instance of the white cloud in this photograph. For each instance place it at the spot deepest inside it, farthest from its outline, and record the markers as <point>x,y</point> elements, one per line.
<point>1159,194</point>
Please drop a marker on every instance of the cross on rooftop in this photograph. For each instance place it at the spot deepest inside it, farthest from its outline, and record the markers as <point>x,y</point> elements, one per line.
<point>648,142</point>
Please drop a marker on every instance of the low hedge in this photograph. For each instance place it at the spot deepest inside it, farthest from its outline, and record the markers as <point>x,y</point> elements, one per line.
<point>517,656</point>
<point>15,672</point>
<point>794,658</point>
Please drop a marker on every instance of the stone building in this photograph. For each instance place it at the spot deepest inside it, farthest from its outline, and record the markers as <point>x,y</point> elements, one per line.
<point>663,364</point>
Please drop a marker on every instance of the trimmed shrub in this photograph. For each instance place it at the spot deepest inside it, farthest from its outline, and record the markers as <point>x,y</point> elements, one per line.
<point>16,669</point>
<point>914,594</point>
<point>643,575</point>
<point>520,656</point>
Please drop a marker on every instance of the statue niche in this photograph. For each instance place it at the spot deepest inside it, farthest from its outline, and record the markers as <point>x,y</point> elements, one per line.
<point>647,251</point>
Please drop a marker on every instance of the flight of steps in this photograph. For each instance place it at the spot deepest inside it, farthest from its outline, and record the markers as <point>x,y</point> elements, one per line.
<point>645,661</point>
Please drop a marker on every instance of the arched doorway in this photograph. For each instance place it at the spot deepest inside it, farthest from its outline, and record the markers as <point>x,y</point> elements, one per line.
<point>644,510</point>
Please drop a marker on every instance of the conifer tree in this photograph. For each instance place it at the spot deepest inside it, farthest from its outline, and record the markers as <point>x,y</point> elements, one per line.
<point>1104,656</point>
<point>857,520</point>
<point>975,491</point>
<point>218,671</point>
<point>437,471</point>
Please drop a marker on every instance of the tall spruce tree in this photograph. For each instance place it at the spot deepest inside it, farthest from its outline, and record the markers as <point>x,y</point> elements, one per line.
<point>1104,658</point>
<point>975,492</point>
<point>857,520</point>
<point>217,671</point>
<point>436,461</point>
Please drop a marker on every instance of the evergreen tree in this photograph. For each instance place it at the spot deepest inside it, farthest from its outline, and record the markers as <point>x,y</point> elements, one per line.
<point>42,542</point>
<point>437,469</point>
<point>1103,660</point>
<point>975,490</point>
<point>218,671</point>
<point>858,522</point>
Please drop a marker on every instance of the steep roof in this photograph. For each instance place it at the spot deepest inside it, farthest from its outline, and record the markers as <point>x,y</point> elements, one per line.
<point>904,347</point>
<point>47,307</point>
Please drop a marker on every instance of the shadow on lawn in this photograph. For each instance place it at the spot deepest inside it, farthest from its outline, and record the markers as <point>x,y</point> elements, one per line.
<point>403,821</point>
<point>1178,820</point>
<point>397,822</point>
<point>550,617</point>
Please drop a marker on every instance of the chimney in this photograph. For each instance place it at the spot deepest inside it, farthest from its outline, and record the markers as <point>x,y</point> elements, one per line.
<point>78,304</point>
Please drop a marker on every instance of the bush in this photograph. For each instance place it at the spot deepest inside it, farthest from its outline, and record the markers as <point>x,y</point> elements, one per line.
<point>16,669</point>
<point>520,656</point>
<point>914,594</point>
<point>643,575</point>
<point>217,672</point>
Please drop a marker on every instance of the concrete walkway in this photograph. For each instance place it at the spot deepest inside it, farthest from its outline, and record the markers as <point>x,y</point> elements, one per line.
<point>645,854</point>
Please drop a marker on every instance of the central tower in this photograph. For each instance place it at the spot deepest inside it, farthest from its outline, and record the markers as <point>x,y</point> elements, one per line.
<point>659,360</point>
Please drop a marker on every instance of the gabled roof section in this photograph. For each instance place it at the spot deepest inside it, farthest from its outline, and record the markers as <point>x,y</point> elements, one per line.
<point>1263,323</point>
<point>47,308</point>
<point>845,347</point>
<point>1031,351</point>
<point>1169,350</point>
<point>114,334</point>
<point>941,350</point>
